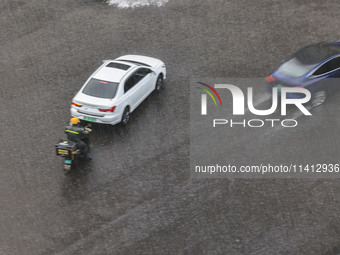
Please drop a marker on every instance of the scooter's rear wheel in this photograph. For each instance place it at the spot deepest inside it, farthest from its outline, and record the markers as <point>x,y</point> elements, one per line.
<point>67,165</point>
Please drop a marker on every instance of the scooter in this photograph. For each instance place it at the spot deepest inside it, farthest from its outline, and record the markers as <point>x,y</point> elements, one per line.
<point>69,151</point>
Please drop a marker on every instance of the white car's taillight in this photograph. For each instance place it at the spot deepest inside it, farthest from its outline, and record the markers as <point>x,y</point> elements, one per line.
<point>108,110</point>
<point>76,104</point>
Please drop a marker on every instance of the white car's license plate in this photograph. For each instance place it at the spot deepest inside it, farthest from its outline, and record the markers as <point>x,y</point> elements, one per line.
<point>90,119</point>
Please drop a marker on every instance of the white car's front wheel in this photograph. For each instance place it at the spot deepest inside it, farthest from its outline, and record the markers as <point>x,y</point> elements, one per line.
<point>159,83</point>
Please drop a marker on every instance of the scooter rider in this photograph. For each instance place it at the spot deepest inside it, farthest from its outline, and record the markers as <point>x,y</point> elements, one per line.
<point>79,135</point>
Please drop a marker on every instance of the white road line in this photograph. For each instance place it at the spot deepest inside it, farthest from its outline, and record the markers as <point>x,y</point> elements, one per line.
<point>123,4</point>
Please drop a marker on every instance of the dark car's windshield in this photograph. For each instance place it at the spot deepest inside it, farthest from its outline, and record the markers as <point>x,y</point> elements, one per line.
<point>99,88</point>
<point>295,68</point>
<point>307,58</point>
<point>316,53</point>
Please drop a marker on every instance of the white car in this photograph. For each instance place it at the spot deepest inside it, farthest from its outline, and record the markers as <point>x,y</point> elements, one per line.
<point>116,88</point>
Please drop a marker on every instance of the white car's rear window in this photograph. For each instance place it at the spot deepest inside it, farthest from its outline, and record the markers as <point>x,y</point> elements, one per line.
<point>99,88</point>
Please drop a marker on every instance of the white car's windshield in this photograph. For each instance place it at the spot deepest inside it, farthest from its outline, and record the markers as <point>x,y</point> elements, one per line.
<point>99,88</point>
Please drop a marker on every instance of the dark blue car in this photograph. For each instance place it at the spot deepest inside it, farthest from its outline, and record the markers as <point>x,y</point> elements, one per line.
<point>315,67</point>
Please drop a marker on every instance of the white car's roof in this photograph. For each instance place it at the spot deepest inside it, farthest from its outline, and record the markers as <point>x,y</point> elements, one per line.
<point>116,73</point>
<point>112,74</point>
<point>138,59</point>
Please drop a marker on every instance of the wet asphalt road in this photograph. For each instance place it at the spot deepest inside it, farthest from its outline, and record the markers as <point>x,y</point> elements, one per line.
<point>136,196</point>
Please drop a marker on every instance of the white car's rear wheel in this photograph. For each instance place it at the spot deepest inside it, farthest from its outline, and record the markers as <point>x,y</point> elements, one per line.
<point>125,116</point>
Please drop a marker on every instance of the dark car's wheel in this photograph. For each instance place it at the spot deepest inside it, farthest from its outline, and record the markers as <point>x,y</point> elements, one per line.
<point>159,83</point>
<point>125,117</point>
<point>318,98</point>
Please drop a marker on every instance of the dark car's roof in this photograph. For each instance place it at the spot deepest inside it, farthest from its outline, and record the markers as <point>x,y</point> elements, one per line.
<point>316,53</point>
